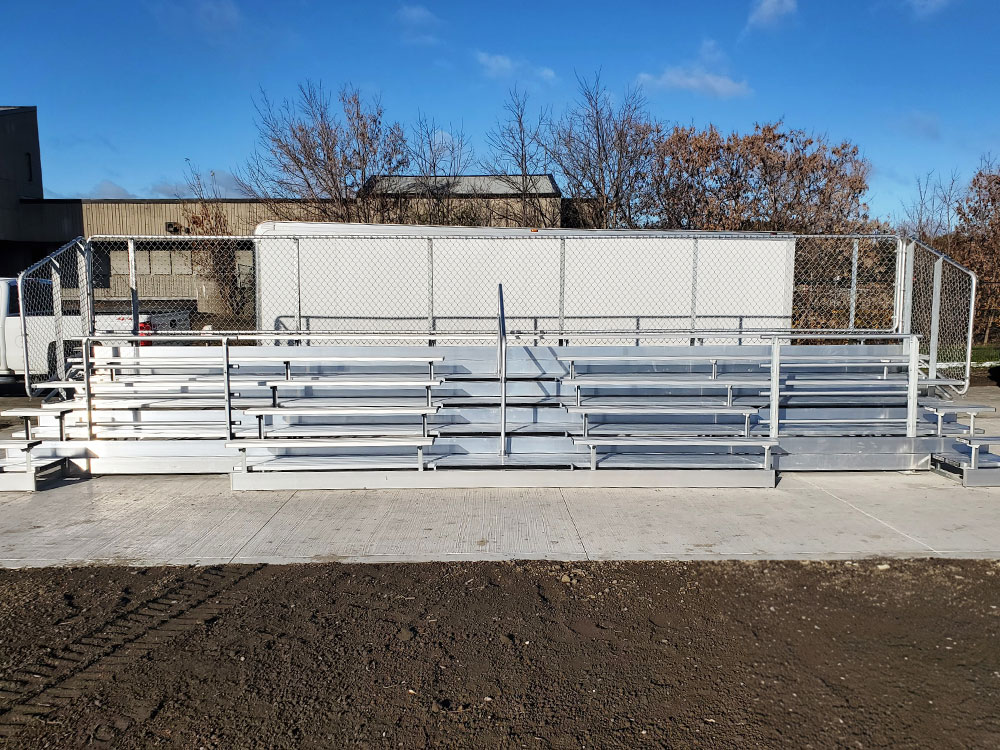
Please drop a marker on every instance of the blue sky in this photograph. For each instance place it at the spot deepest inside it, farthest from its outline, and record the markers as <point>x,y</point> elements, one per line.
<point>126,91</point>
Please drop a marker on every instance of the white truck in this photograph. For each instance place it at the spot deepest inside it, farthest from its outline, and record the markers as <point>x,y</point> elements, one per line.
<point>42,331</point>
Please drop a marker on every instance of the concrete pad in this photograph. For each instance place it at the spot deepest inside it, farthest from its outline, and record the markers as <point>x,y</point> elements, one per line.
<point>198,520</point>
<point>134,520</point>
<point>950,520</point>
<point>792,521</point>
<point>418,525</point>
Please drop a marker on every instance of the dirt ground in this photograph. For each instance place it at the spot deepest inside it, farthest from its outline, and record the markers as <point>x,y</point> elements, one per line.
<point>539,655</point>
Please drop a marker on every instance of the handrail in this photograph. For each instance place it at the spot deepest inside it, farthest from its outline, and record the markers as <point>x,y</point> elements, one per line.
<point>502,368</point>
<point>912,342</point>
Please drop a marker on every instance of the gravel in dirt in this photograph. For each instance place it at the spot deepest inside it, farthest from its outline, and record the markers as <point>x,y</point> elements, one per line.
<point>881,653</point>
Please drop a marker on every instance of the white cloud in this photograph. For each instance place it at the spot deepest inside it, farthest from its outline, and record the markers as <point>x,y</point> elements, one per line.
<point>213,18</point>
<point>705,76</point>
<point>546,74</point>
<point>225,181</point>
<point>698,80</point>
<point>923,8</point>
<point>108,189</point>
<point>502,66</point>
<point>218,15</point>
<point>495,66</point>
<point>419,24</point>
<point>768,12</point>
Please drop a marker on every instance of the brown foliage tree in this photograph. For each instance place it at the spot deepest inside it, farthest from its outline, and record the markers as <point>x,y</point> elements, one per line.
<point>773,179</point>
<point>977,239</point>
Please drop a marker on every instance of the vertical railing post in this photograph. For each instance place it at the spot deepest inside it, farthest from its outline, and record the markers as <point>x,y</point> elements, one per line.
<point>24,333</point>
<point>854,284</point>
<point>935,320</point>
<point>133,285</point>
<point>57,317</point>
<point>430,289</point>
<point>502,368</point>
<point>229,392</point>
<point>968,342</point>
<point>912,382</point>
<point>897,297</point>
<point>87,388</point>
<point>906,315</point>
<point>562,289</point>
<point>694,287</point>
<point>298,286</point>
<point>84,276</point>
<point>774,400</point>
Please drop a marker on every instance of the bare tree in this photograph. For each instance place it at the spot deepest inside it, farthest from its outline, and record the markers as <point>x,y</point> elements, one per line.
<point>214,255</point>
<point>603,152</point>
<point>440,156</point>
<point>517,156</point>
<point>312,162</point>
<point>203,212</point>
<point>930,216</point>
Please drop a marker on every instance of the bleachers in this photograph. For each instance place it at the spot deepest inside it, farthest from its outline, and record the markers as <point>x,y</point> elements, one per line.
<point>278,413</point>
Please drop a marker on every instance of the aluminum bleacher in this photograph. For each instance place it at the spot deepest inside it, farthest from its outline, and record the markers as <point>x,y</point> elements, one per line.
<point>336,415</point>
<point>594,390</point>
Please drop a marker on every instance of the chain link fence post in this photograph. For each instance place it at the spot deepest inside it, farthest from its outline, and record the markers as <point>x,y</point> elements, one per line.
<point>133,286</point>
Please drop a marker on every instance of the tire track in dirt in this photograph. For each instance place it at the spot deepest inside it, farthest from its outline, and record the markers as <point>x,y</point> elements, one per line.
<point>67,673</point>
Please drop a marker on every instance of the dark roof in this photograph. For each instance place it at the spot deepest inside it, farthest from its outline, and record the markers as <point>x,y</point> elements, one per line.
<point>462,186</point>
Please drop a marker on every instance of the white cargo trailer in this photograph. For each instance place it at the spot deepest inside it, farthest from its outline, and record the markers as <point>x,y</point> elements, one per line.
<point>327,276</point>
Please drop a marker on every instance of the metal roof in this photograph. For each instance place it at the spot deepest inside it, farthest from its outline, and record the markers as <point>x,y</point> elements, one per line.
<point>464,185</point>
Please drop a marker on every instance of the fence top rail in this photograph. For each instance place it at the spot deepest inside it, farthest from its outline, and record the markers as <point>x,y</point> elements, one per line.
<point>38,264</point>
<point>942,256</point>
<point>233,336</point>
<point>476,234</point>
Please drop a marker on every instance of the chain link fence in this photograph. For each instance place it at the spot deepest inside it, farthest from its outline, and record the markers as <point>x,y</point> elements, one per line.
<point>623,288</point>
<point>942,303</point>
<point>565,283</point>
<point>53,300</point>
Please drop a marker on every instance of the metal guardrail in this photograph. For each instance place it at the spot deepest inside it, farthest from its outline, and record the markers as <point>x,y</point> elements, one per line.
<point>910,340</point>
<point>502,368</point>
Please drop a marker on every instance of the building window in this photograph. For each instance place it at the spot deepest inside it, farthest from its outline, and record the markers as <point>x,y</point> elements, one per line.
<point>28,164</point>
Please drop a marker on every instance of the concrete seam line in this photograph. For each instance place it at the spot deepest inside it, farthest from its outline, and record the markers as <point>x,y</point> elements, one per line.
<point>873,517</point>
<point>579,536</point>
<point>263,526</point>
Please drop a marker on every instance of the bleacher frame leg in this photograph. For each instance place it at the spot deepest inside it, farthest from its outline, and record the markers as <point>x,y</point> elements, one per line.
<point>420,458</point>
<point>975,456</point>
<point>593,458</point>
